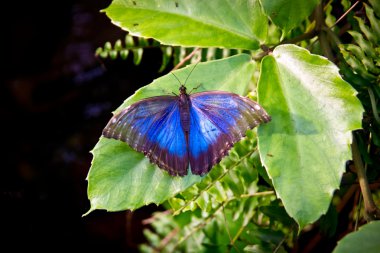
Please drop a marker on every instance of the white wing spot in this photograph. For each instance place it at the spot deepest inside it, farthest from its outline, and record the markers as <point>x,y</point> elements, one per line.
<point>257,107</point>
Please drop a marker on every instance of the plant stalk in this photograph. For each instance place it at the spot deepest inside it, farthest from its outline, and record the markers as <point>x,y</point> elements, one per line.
<point>373,212</point>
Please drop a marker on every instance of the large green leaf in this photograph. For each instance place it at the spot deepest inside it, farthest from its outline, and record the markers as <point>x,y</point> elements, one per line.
<point>288,14</point>
<point>121,178</point>
<point>217,23</point>
<point>305,146</point>
<point>365,240</point>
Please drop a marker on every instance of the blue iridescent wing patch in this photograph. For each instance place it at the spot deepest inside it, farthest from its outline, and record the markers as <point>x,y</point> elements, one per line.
<point>152,126</point>
<point>218,120</point>
<point>177,131</point>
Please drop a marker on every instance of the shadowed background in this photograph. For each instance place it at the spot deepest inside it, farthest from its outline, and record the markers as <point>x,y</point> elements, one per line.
<point>56,97</point>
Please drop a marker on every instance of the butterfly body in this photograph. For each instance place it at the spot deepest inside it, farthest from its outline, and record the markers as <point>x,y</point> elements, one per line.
<point>188,130</point>
<point>184,108</point>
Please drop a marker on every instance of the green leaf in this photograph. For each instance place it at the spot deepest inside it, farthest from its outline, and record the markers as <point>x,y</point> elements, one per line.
<point>366,239</point>
<point>217,23</point>
<point>375,24</point>
<point>366,30</point>
<point>121,178</point>
<point>108,46</point>
<point>124,54</point>
<point>118,45</point>
<point>288,14</point>
<point>313,113</point>
<point>167,53</point>
<point>376,6</point>
<point>363,43</point>
<point>137,55</point>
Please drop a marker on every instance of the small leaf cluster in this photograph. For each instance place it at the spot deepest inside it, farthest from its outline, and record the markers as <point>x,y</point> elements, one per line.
<point>363,56</point>
<point>170,54</point>
<point>131,45</point>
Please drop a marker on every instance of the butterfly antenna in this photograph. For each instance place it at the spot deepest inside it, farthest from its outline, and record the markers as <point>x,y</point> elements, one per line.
<point>191,72</point>
<point>176,78</point>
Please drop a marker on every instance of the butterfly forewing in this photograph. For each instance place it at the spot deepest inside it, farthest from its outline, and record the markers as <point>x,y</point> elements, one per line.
<point>218,120</point>
<point>152,126</point>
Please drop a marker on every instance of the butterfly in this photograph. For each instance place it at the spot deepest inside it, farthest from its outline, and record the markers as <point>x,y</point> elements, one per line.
<point>186,129</point>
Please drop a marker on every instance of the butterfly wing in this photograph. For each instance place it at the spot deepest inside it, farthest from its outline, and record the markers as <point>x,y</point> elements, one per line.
<point>152,126</point>
<point>218,120</point>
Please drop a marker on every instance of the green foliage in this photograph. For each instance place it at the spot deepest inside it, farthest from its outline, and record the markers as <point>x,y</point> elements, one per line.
<point>241,205</point>
<point>361,66</point>
<point>131,44</point>
<point>233,227</point>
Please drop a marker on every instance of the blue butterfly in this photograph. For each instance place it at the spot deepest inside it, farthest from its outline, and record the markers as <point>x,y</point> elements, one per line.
<point>188,129</point>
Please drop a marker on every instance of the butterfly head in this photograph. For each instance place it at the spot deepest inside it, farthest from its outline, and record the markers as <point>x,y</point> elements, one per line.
<point>182,89</point>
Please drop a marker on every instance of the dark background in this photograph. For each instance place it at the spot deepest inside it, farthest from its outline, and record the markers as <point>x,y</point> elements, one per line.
<point>55,99</point>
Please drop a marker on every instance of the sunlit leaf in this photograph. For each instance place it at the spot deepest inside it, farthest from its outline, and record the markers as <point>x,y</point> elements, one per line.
<point>305,146</point>
<point>217,23</point>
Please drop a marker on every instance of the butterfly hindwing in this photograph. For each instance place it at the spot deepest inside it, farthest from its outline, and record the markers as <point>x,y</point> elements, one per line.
<point>218,120</point>
<point>152,126</point>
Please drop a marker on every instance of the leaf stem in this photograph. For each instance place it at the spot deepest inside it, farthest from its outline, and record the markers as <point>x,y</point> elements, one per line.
<point>344,14</point>
<point>358,212</point>
<point>305,36</point>
<point>322,34</point>
<point>279,245</point>
<point>153,218</point>
<point>308,35</point>
<point>232,241</point>
<point>166,240</point>
<point>369,205</point>
<point>189,56</point>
